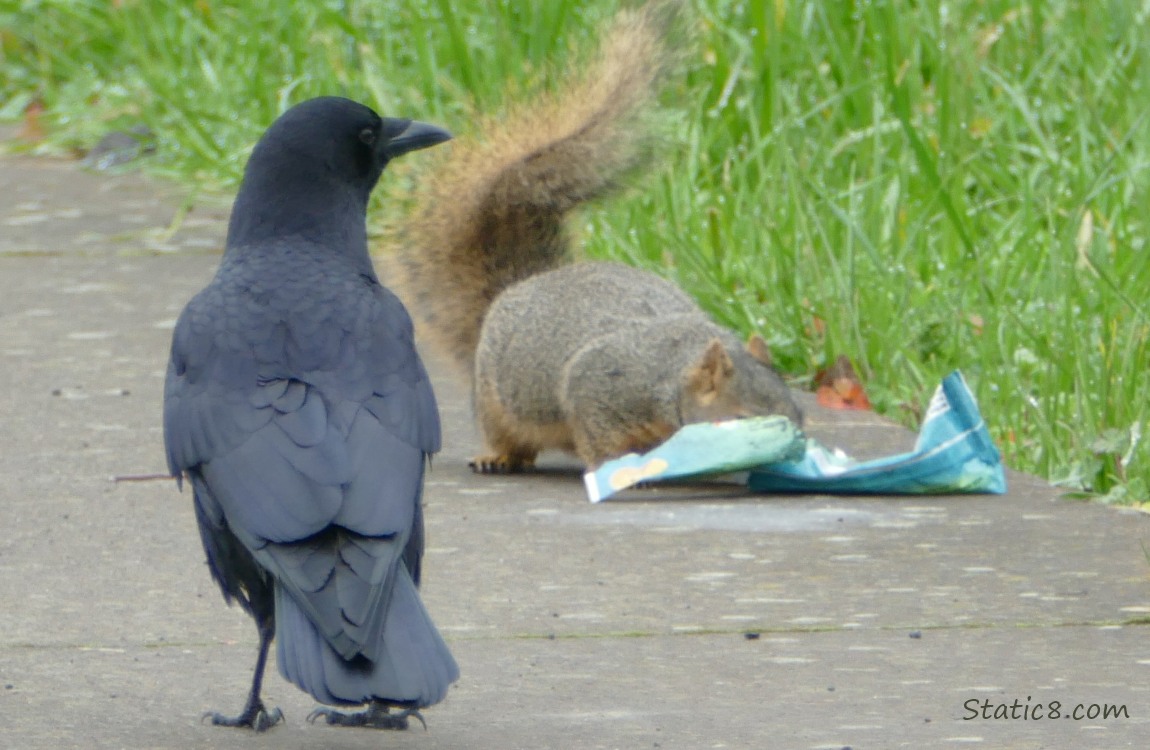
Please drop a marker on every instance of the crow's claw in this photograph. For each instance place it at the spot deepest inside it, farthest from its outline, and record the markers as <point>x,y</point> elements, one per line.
<point>375,716</point>
<point>257,718</point>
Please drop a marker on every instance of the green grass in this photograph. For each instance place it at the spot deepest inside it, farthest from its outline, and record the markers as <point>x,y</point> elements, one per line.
<point>918,185</point>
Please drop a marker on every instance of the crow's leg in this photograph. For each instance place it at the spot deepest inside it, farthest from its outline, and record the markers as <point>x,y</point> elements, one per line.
<point>255,716</point>
<point>377,715</point>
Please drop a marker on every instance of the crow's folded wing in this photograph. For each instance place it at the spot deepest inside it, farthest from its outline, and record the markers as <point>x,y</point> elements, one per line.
<point>318,472</point>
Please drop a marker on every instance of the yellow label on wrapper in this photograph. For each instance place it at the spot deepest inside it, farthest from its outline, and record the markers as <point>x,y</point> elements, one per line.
<point>629,476</point>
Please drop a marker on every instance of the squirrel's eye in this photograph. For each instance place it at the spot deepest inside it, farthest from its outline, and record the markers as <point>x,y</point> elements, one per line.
<point>367,135</point>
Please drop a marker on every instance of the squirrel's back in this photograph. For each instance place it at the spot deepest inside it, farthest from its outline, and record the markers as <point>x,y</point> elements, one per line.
<point>542,323</point>
<point>495,212</point>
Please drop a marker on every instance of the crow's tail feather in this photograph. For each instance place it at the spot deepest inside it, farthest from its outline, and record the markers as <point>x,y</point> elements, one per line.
<point>414,666</point>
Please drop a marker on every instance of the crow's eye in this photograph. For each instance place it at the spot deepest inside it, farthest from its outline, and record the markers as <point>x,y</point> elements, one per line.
<point>367,135</point>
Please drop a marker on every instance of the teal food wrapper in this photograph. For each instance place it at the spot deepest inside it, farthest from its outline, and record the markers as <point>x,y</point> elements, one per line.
<point>703,448</point>
<point>953,454</point>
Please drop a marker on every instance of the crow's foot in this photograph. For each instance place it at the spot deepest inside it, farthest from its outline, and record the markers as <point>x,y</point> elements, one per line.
<point>376,716</point>
<point>255,717</point>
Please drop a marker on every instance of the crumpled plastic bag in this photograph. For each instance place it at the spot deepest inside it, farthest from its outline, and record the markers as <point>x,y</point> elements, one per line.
<point>953,454</point>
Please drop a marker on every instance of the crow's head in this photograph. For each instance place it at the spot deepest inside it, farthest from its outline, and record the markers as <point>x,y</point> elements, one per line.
<point>336,137</point>
<point>318,161</point>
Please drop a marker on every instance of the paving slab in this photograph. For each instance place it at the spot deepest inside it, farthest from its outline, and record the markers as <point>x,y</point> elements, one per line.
<point>685,617</point>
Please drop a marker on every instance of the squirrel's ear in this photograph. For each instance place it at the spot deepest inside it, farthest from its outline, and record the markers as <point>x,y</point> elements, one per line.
<point>758,349</point>
<point>711,371</point>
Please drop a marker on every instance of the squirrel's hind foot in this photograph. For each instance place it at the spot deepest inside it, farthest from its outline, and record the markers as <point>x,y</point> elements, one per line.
<point>495,463</point>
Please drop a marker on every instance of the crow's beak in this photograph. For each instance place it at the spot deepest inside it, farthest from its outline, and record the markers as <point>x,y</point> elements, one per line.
<point>415,136</point>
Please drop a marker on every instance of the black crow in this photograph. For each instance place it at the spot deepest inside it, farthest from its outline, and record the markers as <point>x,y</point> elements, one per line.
<point>299,410</point>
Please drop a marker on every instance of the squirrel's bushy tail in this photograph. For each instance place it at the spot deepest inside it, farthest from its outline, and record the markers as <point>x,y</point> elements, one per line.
<point>494,212</point>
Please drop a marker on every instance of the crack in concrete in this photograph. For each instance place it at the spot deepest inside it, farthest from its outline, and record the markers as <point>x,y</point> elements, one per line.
<point>624,634</point>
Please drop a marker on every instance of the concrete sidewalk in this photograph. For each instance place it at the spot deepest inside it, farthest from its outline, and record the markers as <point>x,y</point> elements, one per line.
<point>622,625</point>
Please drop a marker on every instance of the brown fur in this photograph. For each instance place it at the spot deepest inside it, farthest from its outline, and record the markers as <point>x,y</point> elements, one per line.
<point>593,358</point>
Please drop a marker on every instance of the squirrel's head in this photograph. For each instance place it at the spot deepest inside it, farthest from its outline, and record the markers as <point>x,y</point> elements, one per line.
<point>728,381</point>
